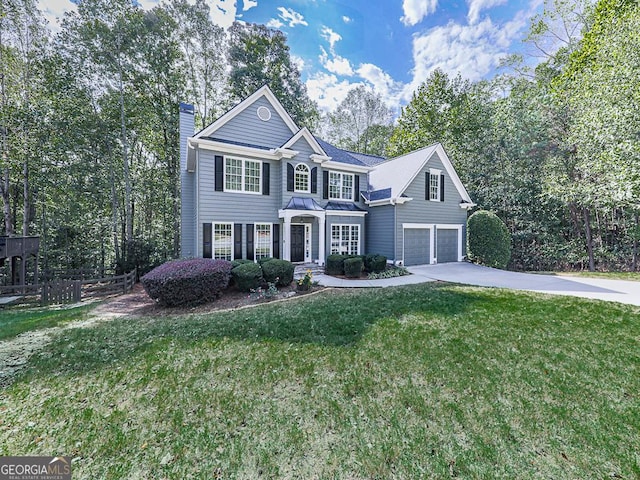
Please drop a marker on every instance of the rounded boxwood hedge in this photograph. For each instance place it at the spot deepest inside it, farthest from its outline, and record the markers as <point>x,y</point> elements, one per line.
<point>375,263</point>
<point>353,267</point>
<point>334,265</point>
<point>279,272</point>
<point>185,282</point>
<point>247,276</point>
<point>488,239</point>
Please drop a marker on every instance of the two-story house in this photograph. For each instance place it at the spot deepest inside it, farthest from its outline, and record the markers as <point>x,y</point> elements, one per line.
<point>255,185</point>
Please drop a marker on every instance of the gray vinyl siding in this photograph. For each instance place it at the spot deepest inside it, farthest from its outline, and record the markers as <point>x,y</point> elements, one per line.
<point>246,127</point>
<point>188,247</point>
<point>230,207</point>
<point>380,230</point>
<point>305,151</point>
<point>423,211</point>
<point>345,220</point>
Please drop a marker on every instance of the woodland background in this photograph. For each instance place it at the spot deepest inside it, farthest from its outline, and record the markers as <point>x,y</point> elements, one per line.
<point>89,127</point>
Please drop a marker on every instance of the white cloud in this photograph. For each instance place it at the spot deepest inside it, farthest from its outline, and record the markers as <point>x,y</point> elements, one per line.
<point>330,36</point>
<point>336,64</point>
<point>298,62</point>
<point>223,12</point>
<point>346,19</point>
<point>275,23</point>
<point>291,17</point>
<point>416,10</point>
<point>476,6</point>
<point>247,4</point>
<point>54,11</point>
<point>327,90</point>
<point>382,83</point>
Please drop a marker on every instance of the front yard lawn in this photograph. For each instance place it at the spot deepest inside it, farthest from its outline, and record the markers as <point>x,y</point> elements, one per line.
<point>424,381</point>
<point>16,321</point>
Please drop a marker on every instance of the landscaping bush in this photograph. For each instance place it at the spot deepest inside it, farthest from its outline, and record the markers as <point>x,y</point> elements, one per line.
<point>279,272</point>
<point>335,265</point>
<point>247,276</point>
<point>489,241</point>
<point>240,261</point>
<point>184,282</point>
<point>374,263</point>
<point>263,260</point>
<point>353,267</point>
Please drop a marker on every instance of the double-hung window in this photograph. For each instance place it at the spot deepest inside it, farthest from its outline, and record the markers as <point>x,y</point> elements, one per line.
<point>340,186</point>
<point>301,178</point>
<point>263,240</point>
<point>345,239</point>
<point>241,175</point>
<point>434,185</point>
<point>223,241</point>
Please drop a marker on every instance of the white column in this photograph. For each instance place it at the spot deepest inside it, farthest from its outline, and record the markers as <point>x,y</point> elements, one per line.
<point>322,240</point>
<point>286,239</point>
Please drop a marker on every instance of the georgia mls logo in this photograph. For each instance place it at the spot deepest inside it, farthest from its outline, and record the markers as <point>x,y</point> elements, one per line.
<point>35,468</point>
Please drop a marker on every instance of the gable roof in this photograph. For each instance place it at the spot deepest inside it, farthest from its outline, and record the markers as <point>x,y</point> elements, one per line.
<point>390,179</point>
<point>339,155</point>
<point>263,91</point>
<point>311,140</point>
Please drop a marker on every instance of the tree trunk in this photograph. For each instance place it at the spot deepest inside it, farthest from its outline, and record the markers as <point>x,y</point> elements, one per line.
<point>634,264</point>
<point>4,155</point>
<point>589,238</point>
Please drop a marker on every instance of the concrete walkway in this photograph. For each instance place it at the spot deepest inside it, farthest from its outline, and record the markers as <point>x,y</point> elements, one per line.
<point>467,273</point>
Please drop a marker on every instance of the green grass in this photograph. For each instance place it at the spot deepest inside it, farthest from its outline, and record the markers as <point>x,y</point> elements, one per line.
<point>13,322</point>
<point>425,381</point>
<point>635,276</point>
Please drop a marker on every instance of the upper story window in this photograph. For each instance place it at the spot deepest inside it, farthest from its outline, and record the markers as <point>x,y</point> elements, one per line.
<point>340,186</point>
<point>301,178</point>
<point>242,175</point>
<point>434,185</point>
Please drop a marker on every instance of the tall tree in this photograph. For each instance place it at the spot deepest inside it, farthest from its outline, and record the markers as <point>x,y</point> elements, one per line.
<point>259,55</point>
<point>352,125</point>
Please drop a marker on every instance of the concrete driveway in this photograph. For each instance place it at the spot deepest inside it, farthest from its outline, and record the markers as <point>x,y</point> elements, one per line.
<point>470,274</point>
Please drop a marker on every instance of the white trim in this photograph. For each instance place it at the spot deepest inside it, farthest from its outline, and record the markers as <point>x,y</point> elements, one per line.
<point>287,215</point>
<point>264,91</point>
<point>263,113</point>
<point>388,201</point>
<point>342,175</point>
<point>350,225</point>
<point>437,173</point>
<point>347,167</point>
<point>421,226</point>
<point>313,143</point>
<point>454,226</point>
<point>345,213</point>
<point>229,148</point>
<point>308,240</point>
<point>213,237</point>
<point>242,175</point>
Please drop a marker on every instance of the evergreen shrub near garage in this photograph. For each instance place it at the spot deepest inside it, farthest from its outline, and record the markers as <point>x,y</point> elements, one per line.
<point>335,264</point>
<point>247,276</point>
<point>190,281</point>
<point>278,272</point>
<point>353,267</point>
<point>375,263</point>
<point>488,239</point>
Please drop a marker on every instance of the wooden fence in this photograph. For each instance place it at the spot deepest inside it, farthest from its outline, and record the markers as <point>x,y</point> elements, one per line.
<point>60,291</point>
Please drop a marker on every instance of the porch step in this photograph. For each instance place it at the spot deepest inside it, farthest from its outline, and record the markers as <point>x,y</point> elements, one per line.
<point>301,270</point>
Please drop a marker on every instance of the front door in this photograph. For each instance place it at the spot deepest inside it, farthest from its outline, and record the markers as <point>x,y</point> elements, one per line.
<point>297,243</point>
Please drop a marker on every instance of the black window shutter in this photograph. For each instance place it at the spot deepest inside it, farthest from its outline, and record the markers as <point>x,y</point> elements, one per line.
<point>314,180</point>
<point>325,184</point>
<point>356,192</point>
<point>250,253</point>
<point>265,178</point>
<point>427,184</point>
<point>219,178</point>
<point>206,240</point>
<point>237,241</point>
<point>289,177</point>
<point>275,234</point>
<point>442,188</point>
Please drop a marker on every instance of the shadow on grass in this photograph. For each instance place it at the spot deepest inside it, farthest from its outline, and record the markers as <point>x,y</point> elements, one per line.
<point>331,318</point>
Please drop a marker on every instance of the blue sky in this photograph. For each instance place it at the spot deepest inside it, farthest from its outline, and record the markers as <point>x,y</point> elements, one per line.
<point>389,45</point>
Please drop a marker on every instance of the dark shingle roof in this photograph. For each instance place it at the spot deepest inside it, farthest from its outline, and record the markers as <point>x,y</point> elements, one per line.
<point>300,203</point>
<point>339,155</point>
<point>380,194</point>
<point>344,206</point>
<point>369,160</point>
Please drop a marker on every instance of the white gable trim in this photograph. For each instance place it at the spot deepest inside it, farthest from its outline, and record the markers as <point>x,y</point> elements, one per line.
<point>313,143</point>
<point>229,148</point>
<point>264,91</point>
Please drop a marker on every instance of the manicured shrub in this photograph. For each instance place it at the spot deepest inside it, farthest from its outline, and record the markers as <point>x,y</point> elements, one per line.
<point>247,276</point>
<point>240,261</point>
<point>279,272</point>
<point>335,265</point>
<point>489,242</point>
<point>263,260</point>
<point>374,263</point>
<point>186,282</point>
<point>353,267</point>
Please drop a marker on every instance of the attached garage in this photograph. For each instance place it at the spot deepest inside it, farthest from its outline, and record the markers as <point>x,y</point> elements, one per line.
<point>447,245</point>
<point>417,246</point>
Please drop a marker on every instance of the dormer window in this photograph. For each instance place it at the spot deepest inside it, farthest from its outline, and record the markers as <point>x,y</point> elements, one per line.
<point>301,178</point>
